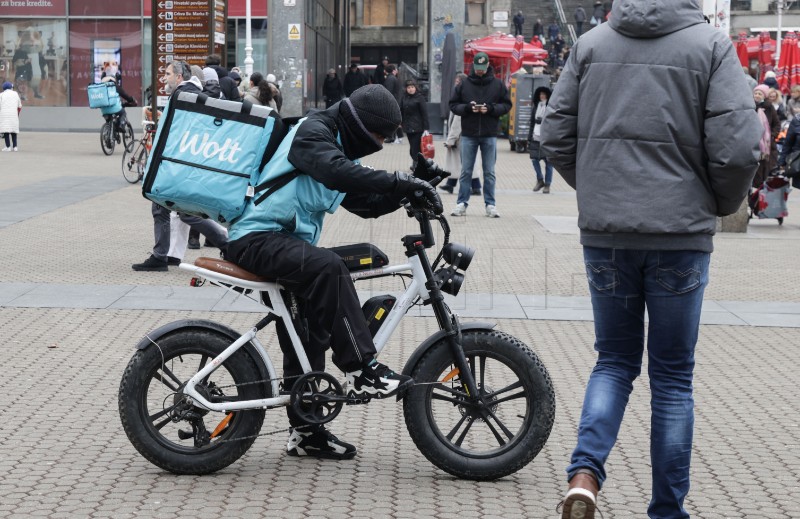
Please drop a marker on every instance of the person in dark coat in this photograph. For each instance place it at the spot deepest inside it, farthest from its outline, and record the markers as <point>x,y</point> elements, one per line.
<point>277,239</point>
<point>379,76</point>
<point>538,29</point>
<point>354,79</point>
<point>580,17</point>
<point>599,14</point>
<point>518,21</point>
<point>414,111</point>
<point>332,91</point>
<point>540,98</point>
<point>392,84</point>
<point>553,30</point>
<point>226,83</point>
<point>791,145</point>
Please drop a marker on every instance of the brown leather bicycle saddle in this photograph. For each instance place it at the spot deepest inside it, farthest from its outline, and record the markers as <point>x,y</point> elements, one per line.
<point>229,269</point>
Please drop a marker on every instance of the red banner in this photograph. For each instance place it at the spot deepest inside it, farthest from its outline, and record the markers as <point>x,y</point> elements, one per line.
<point>33,7</point>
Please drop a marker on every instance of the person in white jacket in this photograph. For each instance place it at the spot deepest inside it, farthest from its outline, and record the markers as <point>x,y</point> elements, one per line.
<point>10,106</point>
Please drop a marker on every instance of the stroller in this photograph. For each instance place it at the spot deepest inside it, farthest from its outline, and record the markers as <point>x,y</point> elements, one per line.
<point>769,199</point>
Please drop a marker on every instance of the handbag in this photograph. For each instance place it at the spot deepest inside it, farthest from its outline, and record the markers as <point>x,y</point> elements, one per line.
<point>792,169</point>
<point>208,153</point>
<point>593,21</point>
<point>426,146</point>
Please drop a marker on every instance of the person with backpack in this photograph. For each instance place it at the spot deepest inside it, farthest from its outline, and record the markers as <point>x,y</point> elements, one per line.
<point>276,238</point>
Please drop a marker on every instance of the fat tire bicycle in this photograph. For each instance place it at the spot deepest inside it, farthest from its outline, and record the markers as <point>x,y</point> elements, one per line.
<point>134,160</point>
<point>193,397</point>
<point>116,129</point>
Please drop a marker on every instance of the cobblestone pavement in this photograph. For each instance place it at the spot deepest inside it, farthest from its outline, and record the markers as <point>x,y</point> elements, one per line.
<point>63,452</point>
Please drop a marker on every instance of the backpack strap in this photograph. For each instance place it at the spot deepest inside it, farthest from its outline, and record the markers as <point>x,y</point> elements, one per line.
<point>278,182</point>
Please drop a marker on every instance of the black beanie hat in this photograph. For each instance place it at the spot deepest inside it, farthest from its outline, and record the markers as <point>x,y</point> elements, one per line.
<point>377,109</point>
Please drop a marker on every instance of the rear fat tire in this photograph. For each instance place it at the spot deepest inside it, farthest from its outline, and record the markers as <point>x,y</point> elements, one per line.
<point>531,432</point>
<point>164,451</point>
<point>107,142</point>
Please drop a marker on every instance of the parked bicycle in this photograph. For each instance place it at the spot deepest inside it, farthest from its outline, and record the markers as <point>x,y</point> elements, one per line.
<point>115,130</point>
<point>135,159</point>
<point>192,399</point>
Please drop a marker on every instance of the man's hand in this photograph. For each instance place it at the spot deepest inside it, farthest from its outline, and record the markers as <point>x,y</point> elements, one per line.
<point>428,170</point>
<point>413,187</point>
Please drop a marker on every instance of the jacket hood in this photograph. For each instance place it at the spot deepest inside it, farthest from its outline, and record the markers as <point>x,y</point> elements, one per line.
<point>478,80</point>
<point>654,18</point>
<point>535,99</point>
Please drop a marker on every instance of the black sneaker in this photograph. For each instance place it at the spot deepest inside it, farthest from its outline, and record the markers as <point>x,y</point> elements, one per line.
<point>173,262</point>
<point>194,243</point>
<point>447,188</point>
<point>151,264</point>
<point>318,442</point>
<point>375,380</point>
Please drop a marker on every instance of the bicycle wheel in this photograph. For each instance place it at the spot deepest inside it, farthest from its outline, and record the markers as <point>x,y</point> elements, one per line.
<point>489,441</point>
<point>107,141</point>
<point>127,137</point>
<point>133,163</point>
<point>170,432</point>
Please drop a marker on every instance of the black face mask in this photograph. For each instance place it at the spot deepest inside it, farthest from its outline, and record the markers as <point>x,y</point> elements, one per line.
<point>356,140</point>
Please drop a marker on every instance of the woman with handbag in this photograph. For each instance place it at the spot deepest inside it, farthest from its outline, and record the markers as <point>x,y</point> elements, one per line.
<point>541,96</point>
<point>415,118</point>
<point>772,126</point>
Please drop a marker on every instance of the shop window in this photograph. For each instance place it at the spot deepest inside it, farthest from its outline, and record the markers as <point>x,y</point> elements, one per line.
<point>380,12</point>
<point>258,36</point>
<point>475,12</point>
<point>93,43</point>
<point>33,56</point>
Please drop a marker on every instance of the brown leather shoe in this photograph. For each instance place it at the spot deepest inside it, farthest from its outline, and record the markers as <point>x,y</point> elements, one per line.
<point>581,499</point>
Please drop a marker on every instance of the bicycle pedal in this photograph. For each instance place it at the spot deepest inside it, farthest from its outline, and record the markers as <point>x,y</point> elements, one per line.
<point>352,400</point>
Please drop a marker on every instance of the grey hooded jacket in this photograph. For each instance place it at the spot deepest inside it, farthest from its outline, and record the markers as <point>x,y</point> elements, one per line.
<point>653,124</point>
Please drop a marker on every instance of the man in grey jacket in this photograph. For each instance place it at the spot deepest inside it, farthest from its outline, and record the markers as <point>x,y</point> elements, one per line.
<point>652,172</point>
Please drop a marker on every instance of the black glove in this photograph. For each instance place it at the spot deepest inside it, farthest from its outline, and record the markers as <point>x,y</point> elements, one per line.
<point>413,187</point>
<point>428,170</point>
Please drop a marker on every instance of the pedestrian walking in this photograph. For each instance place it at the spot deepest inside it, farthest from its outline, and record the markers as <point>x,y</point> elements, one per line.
<point>649,190</point>
<point>379,76</point>
<point>259,91</point>
<point>538,29</point>
<point>771,126</point>
<point>354,79</point>
<point>332,90</point>
<point>452,154</point>
<point>553,30</point>
<point>580,18</point>
<point>480,101</point>
<point>414,113</point>
<point>541,97</point>
<point>10,107</point>
<point>392,84</point>
<point>598,13</point>
<point>519,20</point>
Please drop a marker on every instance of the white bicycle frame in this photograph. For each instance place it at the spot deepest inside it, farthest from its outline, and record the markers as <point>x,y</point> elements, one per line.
<point>415,289</point>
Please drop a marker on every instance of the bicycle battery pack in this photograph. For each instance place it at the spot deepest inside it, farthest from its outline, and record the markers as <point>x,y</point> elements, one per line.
<point>361,256</point>
<point>375,311</point>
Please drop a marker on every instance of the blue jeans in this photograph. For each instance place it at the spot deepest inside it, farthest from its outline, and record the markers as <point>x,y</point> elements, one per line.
<point>548,171</point>
<point>469,150</point>
<point>670,284</point>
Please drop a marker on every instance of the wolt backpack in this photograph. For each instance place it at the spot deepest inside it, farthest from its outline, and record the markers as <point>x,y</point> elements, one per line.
<point>207,155</point>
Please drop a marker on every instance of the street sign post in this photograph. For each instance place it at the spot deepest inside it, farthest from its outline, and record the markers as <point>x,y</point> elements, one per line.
<point>184,30</point>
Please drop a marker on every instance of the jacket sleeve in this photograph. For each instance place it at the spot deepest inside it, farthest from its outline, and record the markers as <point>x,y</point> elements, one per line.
<point>559,133</point>
<point>457,104</point>
<point>314,152</point>
<point>503,105</point>
<point>371,205</point>
<point>732,131</point>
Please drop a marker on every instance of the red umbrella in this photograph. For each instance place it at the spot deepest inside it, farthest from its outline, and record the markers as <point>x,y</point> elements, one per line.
<point>500,48</point>
<point>788,71</point>
<point>516,54</point>
<point>741,50</point>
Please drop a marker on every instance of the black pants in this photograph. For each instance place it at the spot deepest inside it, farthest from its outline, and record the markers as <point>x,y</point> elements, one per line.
<point>414,139</point>
<point>11,140</point>
<point>328,301</point>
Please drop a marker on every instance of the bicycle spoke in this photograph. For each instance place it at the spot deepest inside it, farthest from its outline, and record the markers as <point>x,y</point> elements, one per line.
<point>510,397</point>
<point>497,436</point>
<point>483,372</point>
<point>515,385</point>
<point>165,382</point>
<point>161,413</point>
<point>454,401</point>
<point>501,424</point>
<point>448,390</point>
<point>460,439</point>
<point>457,427</point>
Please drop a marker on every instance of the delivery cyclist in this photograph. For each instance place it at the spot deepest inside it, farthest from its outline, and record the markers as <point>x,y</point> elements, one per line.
<point>276,238</point>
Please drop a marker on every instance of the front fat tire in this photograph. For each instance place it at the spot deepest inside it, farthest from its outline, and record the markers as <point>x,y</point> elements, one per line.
<point>107,142</point>
<point>160,450</point>
<point>534,425</point>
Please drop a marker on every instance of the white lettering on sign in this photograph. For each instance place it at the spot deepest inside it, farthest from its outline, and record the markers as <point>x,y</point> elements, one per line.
<point>208,148</point>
